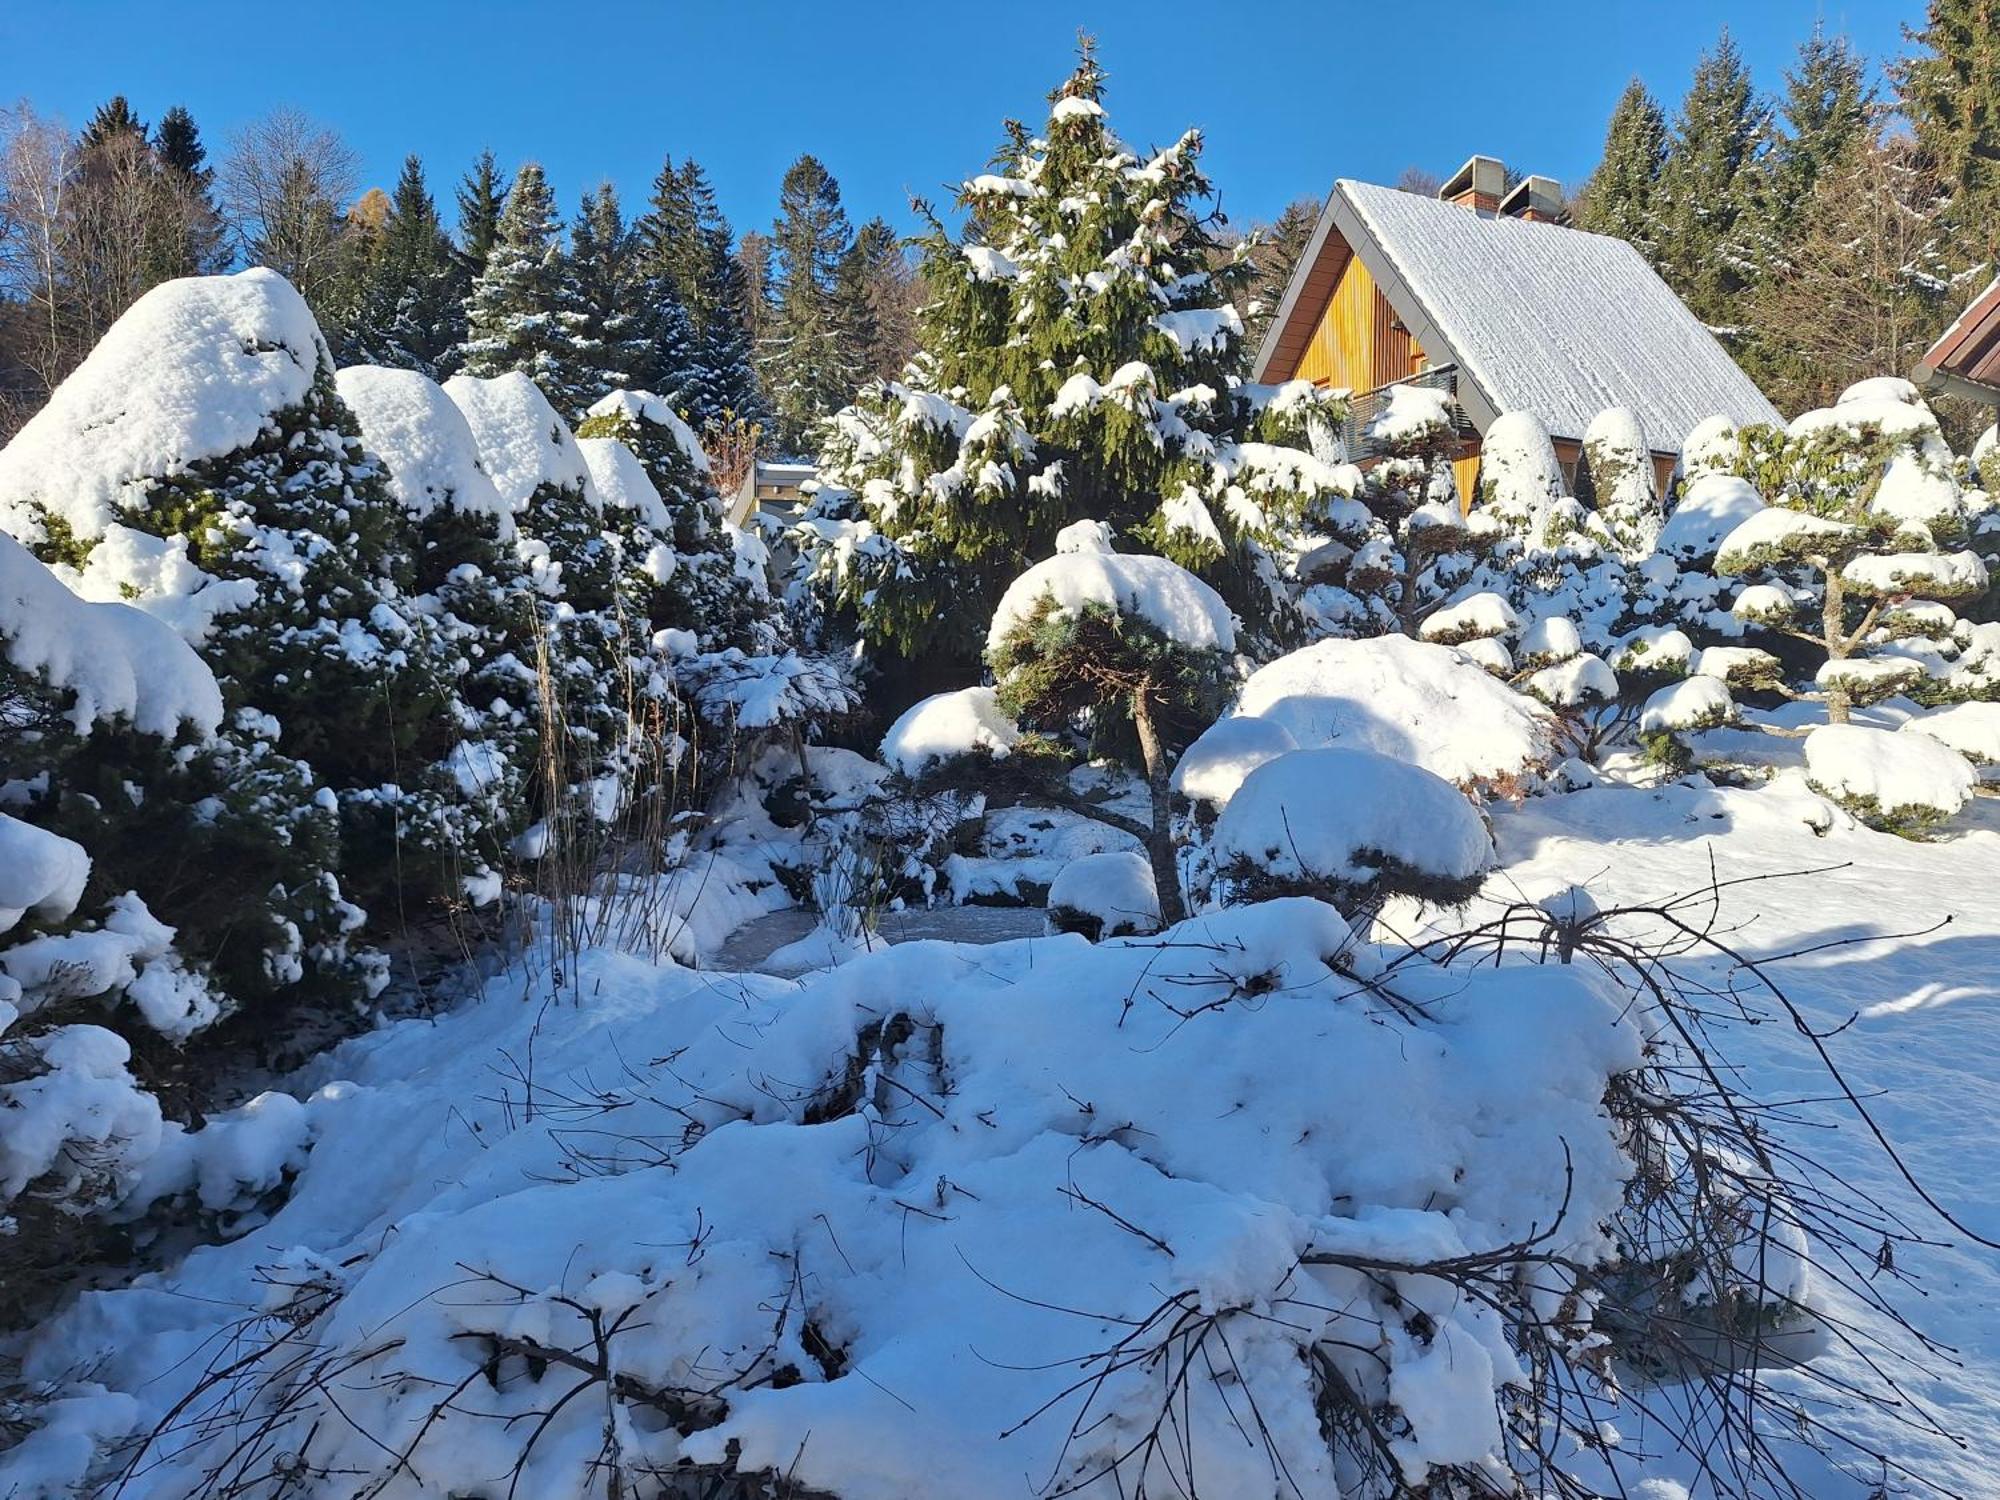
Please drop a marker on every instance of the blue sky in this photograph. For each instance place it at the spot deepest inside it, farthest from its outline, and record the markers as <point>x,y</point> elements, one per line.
<point>901,98</point>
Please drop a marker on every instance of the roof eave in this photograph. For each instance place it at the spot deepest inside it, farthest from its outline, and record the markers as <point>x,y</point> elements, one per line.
<point>1288,305</point>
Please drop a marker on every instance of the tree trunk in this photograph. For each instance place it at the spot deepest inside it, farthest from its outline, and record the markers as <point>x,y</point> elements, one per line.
<point>1160,842</point>
<point>1833,625</point>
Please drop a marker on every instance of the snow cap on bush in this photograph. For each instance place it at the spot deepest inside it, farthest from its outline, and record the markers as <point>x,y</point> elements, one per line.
<point>1345,824</point>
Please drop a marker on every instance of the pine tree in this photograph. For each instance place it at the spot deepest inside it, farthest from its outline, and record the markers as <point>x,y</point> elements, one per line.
<point>522,313</point>
<point>685,251</point>
<point>806,359</point>
<point>1828,105</point>
<point>480,202</point>
<point>613,344</point>
<point>194,247</point>
<point>1867,280</point>
<point>1619,198</point>
<point>1711,190</point>
<point>1275,254</point>
<point>405,305</point>
<point>1950,93</point>
<point>1081,359</point>
<point>877,296</point>
<point>113,118</point>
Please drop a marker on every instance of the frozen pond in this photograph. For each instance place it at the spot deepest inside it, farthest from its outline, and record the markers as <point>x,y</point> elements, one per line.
<point>751,946</point>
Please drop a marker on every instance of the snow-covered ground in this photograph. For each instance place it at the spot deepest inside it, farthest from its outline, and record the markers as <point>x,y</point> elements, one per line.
<point>1923,1046</point>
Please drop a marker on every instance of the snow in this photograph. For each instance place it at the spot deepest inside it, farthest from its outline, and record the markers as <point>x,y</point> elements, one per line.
<point>1711,445</point>
<point>423,441</point>
<point>1880,388</point>
<point>118,662</point>
<point>1411,411</point>
<point>1113,891</point>
<point>40,873</point>
<point>1765,603</point>
<point>622,483</point>
<point>1485,616</point>
<point>81,1117</point>
<point>195,369</point>
<point>1936,575</point>
<point>1712,507</point>
<point>1780,533</point>
<point>1432,706</point>
<point>1897,773</point>
<point>1552,638</point>
<point>1575,682</point>
<point>646,408</point>
<point>1697,702</point>
<point>1213,767</point>
<point>523,444</point>
<point>1160,592</point>
<point>944,725</point>
<point>936,1261</point>
<point>1201,330</point>
<point>1339,815</point>
<point>1972,729</point>
<point>1075,107</point>
<point>1552,321</point>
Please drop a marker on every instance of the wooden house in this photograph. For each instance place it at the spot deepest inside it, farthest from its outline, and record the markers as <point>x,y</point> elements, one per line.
<point>1965,361</point>
<point>1484,292</point>
<point>770,489</point>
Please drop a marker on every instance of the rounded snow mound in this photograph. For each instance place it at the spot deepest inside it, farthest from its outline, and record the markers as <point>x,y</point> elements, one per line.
<point>1713,506</point>
<point>622,483</point>
<point>115,661</point>
<point>1881,388</point>
<point>1710,444</point>
<point>1349,819</point>
<point>1890,780</point>
<point>645,407</point>
<point>1432,706</point>
<point>1692,703</point>
<point>423,440</point>
<point>194,370</point>
<point>1972,729</point>
<point>946,725</point>
<point>1154,589</point>
<point>1213,767</point>
<point>523,444</point>
<point>40,872</point>
<point>1105,895</point>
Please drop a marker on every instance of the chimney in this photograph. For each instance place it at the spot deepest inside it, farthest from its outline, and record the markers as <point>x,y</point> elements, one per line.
<point>1536,199</point>
<point>1478,185</point>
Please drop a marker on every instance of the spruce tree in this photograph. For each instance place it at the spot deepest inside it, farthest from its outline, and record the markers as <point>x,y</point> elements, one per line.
<point>522,312</point>
<point>1080,359</point>
<point>1712,191</point>
<point>480,201</point>
<point>806,359</point>
<point>405,306</point>
<point>1619,199</point>
<point>685,251</point>
<point>1827,106</point>
<point>112,118</point>
<point>193,245</point>
<point>876,296</point>
<point>1950,93</point>
<point>1275,253</point>
<point>614,341</point>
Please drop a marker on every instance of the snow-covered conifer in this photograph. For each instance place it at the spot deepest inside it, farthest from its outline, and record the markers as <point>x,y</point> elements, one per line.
<point>1864,503</point>
<point>523,313</point>
<point>1080,359</point>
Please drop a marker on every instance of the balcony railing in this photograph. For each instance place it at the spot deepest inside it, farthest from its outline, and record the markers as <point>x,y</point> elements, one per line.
<point>1362,409</point>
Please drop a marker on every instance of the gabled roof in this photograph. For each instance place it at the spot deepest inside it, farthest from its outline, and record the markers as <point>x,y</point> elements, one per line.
<point>1965,361</point>
<point>1537,317</point>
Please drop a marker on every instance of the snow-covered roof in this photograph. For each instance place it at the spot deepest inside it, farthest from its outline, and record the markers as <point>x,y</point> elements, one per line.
<point>1538,317</point>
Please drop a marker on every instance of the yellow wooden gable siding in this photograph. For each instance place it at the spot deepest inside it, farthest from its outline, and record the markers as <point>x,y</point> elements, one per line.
<point>1359,343</point>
